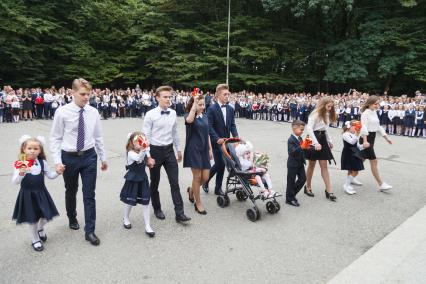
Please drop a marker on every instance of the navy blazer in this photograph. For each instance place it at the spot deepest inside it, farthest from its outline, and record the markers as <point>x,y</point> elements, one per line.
<point>217,127</point>
<point>296,156</point>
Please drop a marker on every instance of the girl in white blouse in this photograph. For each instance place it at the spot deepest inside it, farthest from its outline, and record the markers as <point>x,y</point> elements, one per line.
<point>370,125</point>
<point>317,128</point>
<point>34,204</point>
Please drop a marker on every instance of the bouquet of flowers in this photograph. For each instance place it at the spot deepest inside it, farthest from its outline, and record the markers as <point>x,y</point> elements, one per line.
<point>195,92</point>
<point>23,162</point>
<point>141,140</point>
<point>358,126</point>
<point>261,160</point>
<point>306,143</point>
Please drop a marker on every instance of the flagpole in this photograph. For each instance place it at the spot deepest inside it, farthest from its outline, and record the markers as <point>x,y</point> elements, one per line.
<point>227,49</point>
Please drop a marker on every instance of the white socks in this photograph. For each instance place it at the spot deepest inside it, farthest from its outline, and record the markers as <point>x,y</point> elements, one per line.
<point>146,218</point>
<point>349,180</point>
<point>126,218</point>
<point>34,235</point>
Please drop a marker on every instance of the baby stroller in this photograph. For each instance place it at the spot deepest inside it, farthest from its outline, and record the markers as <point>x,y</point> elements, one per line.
<point>239,183</point>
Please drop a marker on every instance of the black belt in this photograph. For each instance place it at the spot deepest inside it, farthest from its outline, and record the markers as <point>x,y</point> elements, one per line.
<point>319,131</point>
<point>161,147</point>
<point>79,153</point>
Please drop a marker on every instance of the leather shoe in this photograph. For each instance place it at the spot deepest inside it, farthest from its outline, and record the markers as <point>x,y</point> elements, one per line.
<point>293,203</point>
<point>150,234</point>
<point>182,218</point>
<point>205,188</point>
<point>159,214</point>
<point>74,224</point>
<point>219,192</point>
<point>93,239</point>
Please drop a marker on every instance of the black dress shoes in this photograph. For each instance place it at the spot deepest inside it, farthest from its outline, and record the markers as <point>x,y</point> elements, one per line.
<point>93,239</point>
<point>43,237</point>
<point>127,226</point>
<point>182,218</point>
<point>205,188</point>
<point>150,234</point>
<point>308,192</point>
<point>74,224</point>
<point>292,203</point>
<point>218,192</point>
<point>37,248</point>
<point>204,212</point>
<point>159,214</point>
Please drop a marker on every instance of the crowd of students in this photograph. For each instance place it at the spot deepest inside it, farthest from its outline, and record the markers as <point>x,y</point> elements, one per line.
<point>401,115</point>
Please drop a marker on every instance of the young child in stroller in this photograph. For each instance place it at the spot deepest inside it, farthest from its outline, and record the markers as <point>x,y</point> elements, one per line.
<point>245,154</point>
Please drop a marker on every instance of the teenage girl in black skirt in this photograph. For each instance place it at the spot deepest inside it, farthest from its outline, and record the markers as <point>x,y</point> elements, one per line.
<point>370,125</point>
<point>317,128</point>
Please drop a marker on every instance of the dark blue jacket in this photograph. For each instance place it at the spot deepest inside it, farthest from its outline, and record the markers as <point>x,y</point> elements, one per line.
<point>296,156</point>
<point>217,127</point>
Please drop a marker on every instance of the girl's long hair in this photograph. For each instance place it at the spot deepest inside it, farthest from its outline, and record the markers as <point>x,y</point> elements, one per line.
<point>321,110</point>
<point>370,101</point>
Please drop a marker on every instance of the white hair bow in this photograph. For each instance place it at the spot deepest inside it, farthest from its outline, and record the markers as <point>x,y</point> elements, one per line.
<point>348,124</point>
<point>24,138</point>
<point>42,140</point>
<point>128,135</point>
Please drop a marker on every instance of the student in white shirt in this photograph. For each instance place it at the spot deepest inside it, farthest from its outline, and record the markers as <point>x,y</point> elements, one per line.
<point>160,127</point>
<point>370,125</point>
<point>317,128</point>
<point>76,133</point>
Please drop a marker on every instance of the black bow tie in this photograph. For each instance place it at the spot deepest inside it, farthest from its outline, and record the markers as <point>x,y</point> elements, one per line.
<point>223,106</point>
<point>165,112</point>
<point>300,139</point>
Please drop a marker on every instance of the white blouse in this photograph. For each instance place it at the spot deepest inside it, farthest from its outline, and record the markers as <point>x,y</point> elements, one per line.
<point>35,170</point>
<point>315,123</point>
<point>352,139</point>
<point>370,123</point>
<point>132,156</point>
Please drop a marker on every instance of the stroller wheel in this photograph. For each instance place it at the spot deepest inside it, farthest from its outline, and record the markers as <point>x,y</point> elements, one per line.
<point>222,201</point>
<point>252,214</point>
<point>227,201</point>
<point>271,208</point>
<point>241,195</point>
<point>277,206</point>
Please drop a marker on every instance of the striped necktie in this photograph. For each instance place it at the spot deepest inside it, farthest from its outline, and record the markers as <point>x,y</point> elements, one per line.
<point>80,135</point>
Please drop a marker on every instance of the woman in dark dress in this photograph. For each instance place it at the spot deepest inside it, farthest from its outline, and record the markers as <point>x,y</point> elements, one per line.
<point>198,150</point>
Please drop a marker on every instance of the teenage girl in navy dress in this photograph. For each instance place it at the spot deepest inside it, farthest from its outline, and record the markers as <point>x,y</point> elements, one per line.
<point>409,120</point>
<point>198,150</point>
<point>34,204</point>
<point>136,187</point>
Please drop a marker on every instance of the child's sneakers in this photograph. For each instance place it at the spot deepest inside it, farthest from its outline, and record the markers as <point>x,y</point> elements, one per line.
<point>268,193</point>
<point>349,189</point>
<point>384,186</point>
<point>356,182</point>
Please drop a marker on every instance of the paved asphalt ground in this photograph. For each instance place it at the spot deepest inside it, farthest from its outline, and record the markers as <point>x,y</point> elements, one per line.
<point>309,244</point>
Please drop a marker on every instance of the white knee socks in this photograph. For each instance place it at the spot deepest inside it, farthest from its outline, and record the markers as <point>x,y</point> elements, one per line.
<point>126,218</point>
<point>34,234</point>
<point>40,226</point>
<point>268,180</point>
<point>146,218</point>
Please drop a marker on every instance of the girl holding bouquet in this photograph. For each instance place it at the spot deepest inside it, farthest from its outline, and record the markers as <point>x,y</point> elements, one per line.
<point>34,204</point>
<point>136,187</point>
<point>252,162</point>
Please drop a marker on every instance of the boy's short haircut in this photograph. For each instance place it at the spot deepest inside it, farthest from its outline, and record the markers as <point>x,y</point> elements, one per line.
<point>221,87</point>
<point>162,89</point>
<point>81,83</point>
<point>297,123</point>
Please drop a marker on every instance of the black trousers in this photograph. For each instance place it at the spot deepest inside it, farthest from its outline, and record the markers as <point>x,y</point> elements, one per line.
<point>85,166</point>
<point>165,156</point>
<point>218,168</point>
<point>293,186</point>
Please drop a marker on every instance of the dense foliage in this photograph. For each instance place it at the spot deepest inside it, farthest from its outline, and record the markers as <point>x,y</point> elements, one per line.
<point>276,45</point>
